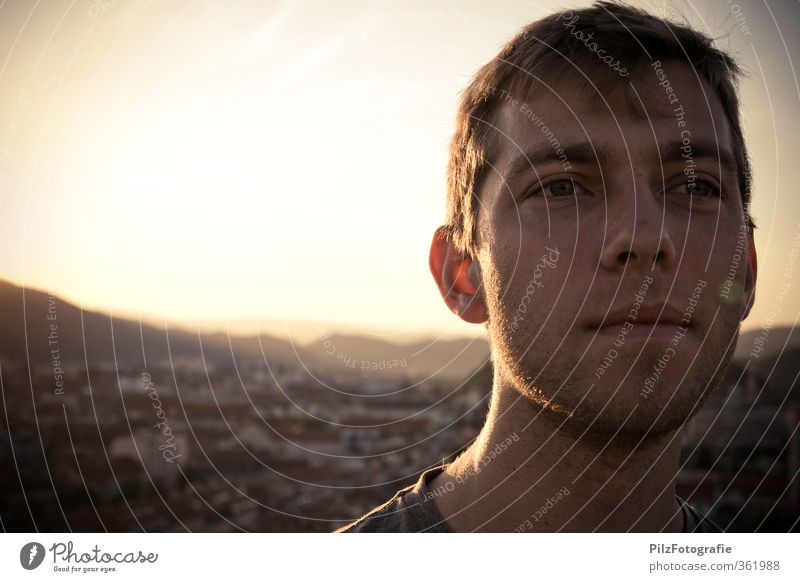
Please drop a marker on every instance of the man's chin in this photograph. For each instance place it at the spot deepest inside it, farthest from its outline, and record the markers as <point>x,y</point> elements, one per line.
<point>619,413</point>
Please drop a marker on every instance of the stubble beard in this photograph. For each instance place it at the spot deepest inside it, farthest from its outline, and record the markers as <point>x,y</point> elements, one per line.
<point>559,392</point>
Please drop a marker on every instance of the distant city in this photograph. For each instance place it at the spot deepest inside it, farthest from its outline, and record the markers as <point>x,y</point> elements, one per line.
<point>108,425</point>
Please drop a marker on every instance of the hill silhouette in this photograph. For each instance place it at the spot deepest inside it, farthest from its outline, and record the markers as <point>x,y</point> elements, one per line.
<point>36,322</point>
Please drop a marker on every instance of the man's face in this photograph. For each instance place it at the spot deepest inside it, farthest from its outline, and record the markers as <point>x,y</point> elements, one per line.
<point>640,210</point>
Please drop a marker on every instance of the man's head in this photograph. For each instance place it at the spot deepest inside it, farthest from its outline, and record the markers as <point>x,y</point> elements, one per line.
<point>598,174</point>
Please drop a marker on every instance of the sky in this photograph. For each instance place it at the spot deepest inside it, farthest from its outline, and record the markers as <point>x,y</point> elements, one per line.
<point>245,165</point>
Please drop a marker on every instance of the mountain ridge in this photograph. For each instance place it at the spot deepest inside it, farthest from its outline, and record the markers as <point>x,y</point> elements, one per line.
<point>37,322</point>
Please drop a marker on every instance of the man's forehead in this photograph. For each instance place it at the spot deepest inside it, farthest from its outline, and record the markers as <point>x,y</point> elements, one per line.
<point>657,103</point>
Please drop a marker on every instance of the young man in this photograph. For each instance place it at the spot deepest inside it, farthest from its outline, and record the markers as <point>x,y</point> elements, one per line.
<point>598,194</point>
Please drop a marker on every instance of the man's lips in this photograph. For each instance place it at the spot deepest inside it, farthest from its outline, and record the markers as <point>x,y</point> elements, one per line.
<point>654,321</point>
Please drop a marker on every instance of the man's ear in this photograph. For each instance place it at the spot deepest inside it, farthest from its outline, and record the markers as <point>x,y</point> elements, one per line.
<point>458,277</point>
<point>752,275</point>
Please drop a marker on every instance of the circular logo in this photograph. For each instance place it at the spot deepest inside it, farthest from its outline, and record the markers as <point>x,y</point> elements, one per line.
<point>31,555</point>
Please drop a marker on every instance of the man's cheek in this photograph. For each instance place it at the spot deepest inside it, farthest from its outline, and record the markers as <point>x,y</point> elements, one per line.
<point>529,300</point>
<point>729,289</point>
<point>727,276</point>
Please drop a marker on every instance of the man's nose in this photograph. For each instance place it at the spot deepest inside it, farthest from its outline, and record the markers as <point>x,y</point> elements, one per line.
<point>638,235</point>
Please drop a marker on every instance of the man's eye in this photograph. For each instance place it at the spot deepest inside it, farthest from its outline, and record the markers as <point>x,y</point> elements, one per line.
<point>561,188</point>
<point>699,189</point>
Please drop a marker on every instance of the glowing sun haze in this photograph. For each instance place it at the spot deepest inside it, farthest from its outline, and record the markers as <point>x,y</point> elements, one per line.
<point>234,162</point>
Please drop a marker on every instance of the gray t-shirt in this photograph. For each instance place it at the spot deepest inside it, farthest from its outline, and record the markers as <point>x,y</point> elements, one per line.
<point>413,510</point>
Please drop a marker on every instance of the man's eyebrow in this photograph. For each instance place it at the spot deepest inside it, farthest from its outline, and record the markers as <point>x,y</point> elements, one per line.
<point>699,149</point>
<point>587,153</point>
<point>579,153</point>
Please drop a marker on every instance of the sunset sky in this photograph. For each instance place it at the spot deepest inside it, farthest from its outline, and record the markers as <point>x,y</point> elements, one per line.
<point>247,163</point>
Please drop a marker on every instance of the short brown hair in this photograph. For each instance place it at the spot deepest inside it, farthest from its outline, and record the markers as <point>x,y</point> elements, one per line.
<point>541,49</point>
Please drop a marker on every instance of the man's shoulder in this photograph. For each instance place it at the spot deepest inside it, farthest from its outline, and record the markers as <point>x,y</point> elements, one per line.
<point>410,510</point>
<point>695,521</point>
<point>391,516</point>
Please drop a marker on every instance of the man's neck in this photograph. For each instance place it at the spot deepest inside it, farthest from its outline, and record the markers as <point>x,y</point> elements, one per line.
<point>526,473</point>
